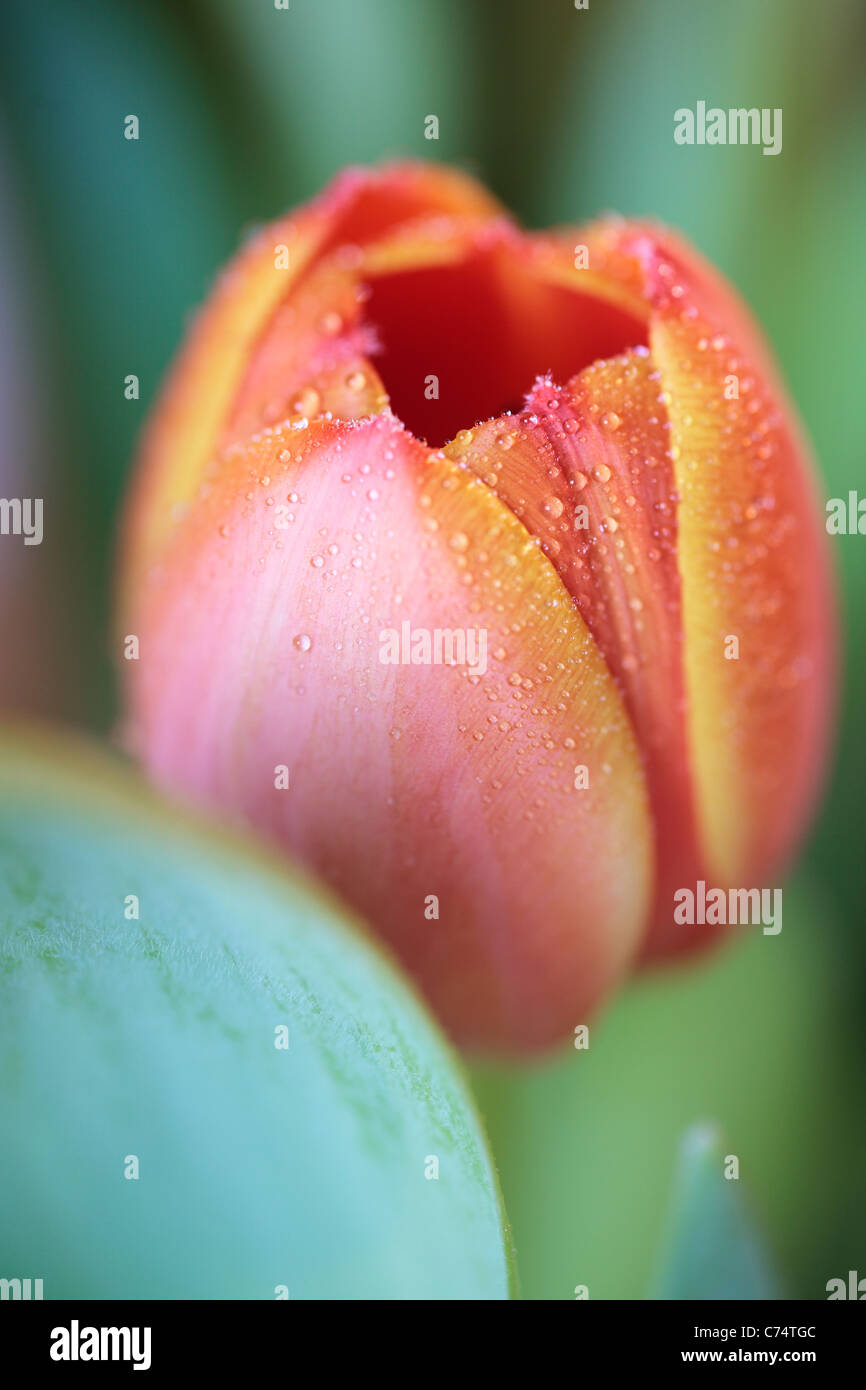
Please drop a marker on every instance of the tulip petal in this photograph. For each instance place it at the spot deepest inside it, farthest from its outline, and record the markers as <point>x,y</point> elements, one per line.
<point>587,469</point>
<point>754,561</point>
<point>313,358</point>
<point>752,556</point>
<point>409,784</point>
<point>360,205</point>
<point>756,601</point>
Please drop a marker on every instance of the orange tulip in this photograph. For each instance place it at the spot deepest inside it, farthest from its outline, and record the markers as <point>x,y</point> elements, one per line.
<point>323,542</point>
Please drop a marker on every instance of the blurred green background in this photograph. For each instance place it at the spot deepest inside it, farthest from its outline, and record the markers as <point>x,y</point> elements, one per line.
<point>106,246</point>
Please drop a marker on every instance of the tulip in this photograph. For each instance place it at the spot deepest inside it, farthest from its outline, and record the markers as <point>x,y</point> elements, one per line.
<point>400,420</point>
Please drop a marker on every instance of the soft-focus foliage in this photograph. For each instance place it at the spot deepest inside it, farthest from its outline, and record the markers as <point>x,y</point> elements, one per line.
<point>712,1250</point>
<point>147,969</point>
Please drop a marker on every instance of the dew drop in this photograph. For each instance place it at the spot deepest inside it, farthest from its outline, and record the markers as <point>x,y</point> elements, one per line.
<point>307,402</point>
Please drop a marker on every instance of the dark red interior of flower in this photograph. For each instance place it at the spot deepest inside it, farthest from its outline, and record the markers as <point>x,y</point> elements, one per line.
<point>462,343</point>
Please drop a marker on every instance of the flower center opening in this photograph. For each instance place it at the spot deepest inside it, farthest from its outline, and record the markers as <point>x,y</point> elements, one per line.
<point>464,342</point>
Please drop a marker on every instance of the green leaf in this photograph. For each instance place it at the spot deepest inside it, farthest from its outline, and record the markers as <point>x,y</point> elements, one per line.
<point>712,1250</point>
<point>154,1038</point>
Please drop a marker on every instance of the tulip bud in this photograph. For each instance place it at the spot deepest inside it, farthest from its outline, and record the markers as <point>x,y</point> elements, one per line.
<point>510,557</point>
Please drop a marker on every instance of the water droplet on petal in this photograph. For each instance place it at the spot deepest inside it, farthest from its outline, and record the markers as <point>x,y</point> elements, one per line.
<point>552,506</point>
<point>306,402</point>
